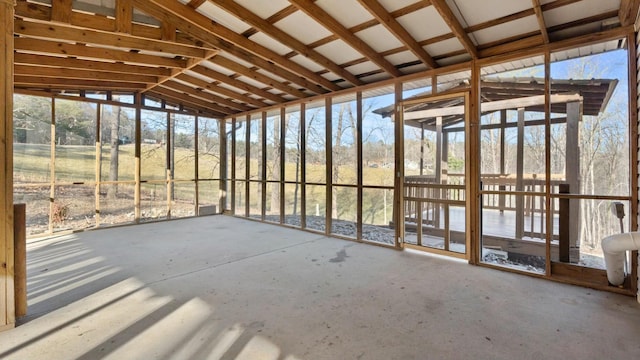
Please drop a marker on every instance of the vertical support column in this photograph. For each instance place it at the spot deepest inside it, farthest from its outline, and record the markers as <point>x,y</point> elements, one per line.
<point>564,225</point>
<point>98,169</point>
<point>547,160</point>
<point>263,169</point>
<point>359,165</point>
<point>519,176</point>
<point>398,193</point>
<point>472,169</point>
<point>283,136</point>
<point>574,115</point>
<point>196,167</point>
<point>137,165</point>
<point>223,165</point>
<point>20,249</point>
<point>303,166</point>
<point>7,304</point>
<point>170,160</point>
<point>329,168</point>
<point>438,180</point>
<point>233,166</point>
<point>422,148</point>
<point>247,167</point>
<point>633,142</point>
<point>52,162</point>
<point>503,169</point>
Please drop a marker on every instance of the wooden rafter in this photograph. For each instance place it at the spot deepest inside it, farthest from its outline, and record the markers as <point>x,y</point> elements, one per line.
<point>71,63</point>
<point>75,84</point>
<point>199,93</point>
<point>252,74</point>
<point>89,36</point>
<point>124,16</point>
<point>67,49</point>
<point>326,20</point>
<point>213,87</point>
<point>628,11</point>
<point>188,99</point>
<point>62,73</point>
<point>455,26</point>
<point>61,10</point>
<point>390,22</point>
<point>237,83</point>
<point>264,26</point>
<point>191,63</point>
<point>540,16</point>
<point>199,26</point>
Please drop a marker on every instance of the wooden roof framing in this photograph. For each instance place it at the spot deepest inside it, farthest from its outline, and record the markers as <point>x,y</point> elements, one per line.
<point>223,57</point>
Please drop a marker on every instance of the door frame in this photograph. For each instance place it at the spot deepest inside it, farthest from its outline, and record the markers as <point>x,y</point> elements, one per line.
<point>400,178</point>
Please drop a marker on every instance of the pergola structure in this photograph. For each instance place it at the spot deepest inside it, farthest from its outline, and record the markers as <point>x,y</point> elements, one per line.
<point>231,60</point>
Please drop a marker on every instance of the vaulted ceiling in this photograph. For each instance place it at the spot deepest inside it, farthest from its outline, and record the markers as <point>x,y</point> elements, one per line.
<point>221,57</point>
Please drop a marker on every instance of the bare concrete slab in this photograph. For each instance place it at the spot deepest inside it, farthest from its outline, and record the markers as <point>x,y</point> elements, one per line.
<point>225,288</point>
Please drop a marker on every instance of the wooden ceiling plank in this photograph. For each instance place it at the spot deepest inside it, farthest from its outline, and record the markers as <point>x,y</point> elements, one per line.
<point>196,3</point>
<point>90,36</point>
<point>201,27</point>
<point>62,48</point>
<point>628,12</point>
<point>252,74</point>
<point>64,73</point>
<point>273,19</point>
<point>71,63</point>
<point>455,26</point>
<point>61,10</point>
<point>174,85</point>
<point>168,31</point>
<point>254,20</point>
<point>326,20</point>
<point>75,84</point>
<point>389,22</point>
<point>540,17</point>
<point>221,90</point>
<point>583,21</point>
<point>237,83</point>
<point>124,16</point>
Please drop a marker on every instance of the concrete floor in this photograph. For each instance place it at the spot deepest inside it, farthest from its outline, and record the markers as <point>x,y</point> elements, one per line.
<point>225,288</point>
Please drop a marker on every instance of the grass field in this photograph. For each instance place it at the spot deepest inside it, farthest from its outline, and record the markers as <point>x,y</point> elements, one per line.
<point>74,204</point>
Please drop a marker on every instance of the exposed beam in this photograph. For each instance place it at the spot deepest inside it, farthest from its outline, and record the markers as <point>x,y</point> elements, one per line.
<point>326,20</point>
<point>455,26</point>
<point>390,22</point>
<point>89,36</point>
<point>71,63</point>
<point>159,94</point>
<point>124,16</point>
<point>61,10</point>
<point>628,11</point>
<point>186,98</point>
<point>252,74</point>
<point>199,26</point>
<point>199,93</point>
<point>237,83</point>
<point>249,17</point>
<point>213,87</point>
<point>63,48</point>
<point>74,84</point>
<point>191,63</point>
<point>62,73</point>
<point>196,3</point>
<point>540,16</point>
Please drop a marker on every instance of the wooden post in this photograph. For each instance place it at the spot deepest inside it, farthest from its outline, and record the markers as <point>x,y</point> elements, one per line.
<point>519,176</point>
<point>574,115</point>
<point>329,167</point>
<point>20,248</point>
<point>303,166</point>
<point>138,165</point>
<point>564,226</point>
<point>196,167</point>
<point>232,205</point>
<point>223,165</point>
<point>7,304</point>
<point>263,170</point>
<point>439,162</point>
<point>283,133</point>
<point>247,166</point>
<point>171,125</point>
<point>359,165</point>
<point>503,169</point>
<point>98,164</point>
<point>398,191</point>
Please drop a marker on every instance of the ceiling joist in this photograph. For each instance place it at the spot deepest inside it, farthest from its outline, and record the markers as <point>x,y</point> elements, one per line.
<point>457,29</point>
